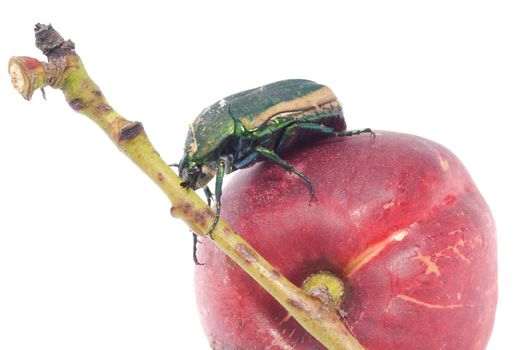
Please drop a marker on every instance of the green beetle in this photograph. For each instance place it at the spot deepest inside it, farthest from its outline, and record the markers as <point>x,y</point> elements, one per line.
<point>254,125</point>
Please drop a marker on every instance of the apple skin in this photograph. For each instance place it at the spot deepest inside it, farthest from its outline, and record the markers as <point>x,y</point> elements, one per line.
<point>398,218</point>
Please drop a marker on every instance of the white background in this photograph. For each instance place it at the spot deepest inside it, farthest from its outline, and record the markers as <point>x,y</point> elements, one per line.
<point>89,255</point>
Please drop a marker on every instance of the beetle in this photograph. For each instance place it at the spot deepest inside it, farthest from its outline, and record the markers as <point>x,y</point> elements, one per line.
<point>255,125</point>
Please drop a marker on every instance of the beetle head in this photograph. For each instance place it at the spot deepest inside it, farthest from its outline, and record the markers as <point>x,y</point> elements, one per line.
<point>194,174</point>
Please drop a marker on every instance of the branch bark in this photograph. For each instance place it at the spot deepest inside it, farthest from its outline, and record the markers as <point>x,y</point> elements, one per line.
<point>65,71</point>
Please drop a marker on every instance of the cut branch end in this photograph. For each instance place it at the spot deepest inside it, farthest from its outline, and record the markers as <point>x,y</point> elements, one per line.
<point>27,75</point>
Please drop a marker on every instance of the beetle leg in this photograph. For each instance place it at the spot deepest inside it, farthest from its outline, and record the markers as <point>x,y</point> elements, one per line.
<point>247,161</point>
<point>220,172</point>
<point>328,130</point>
<point>195,242</point>
<point>316,127</point>
<point>269,154</point>
<point>208,195</point>
<point>355,132</point>
<point>291,130</point>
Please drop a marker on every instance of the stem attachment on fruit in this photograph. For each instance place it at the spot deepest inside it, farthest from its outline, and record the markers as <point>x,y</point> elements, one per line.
<point>66,72</point>
<point>325,286</point>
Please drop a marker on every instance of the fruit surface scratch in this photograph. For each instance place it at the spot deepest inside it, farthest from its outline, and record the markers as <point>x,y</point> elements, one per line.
<point>425,304</point>
<point>357,262</point>
<point>431,266</point>
<point>278,340</point>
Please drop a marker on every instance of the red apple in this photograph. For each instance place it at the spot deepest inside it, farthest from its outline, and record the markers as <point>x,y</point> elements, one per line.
<point>398,219</point>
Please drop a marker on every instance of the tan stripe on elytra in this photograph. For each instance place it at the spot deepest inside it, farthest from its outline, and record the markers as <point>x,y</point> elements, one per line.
<point>314,99</point>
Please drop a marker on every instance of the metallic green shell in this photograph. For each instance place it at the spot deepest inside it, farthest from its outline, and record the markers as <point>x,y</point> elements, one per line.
<point>209,130</point>
<point>252,108</point>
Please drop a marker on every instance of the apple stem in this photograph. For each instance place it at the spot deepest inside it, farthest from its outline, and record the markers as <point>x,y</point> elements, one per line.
<point>65,71</point>
<point>326,286</point>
